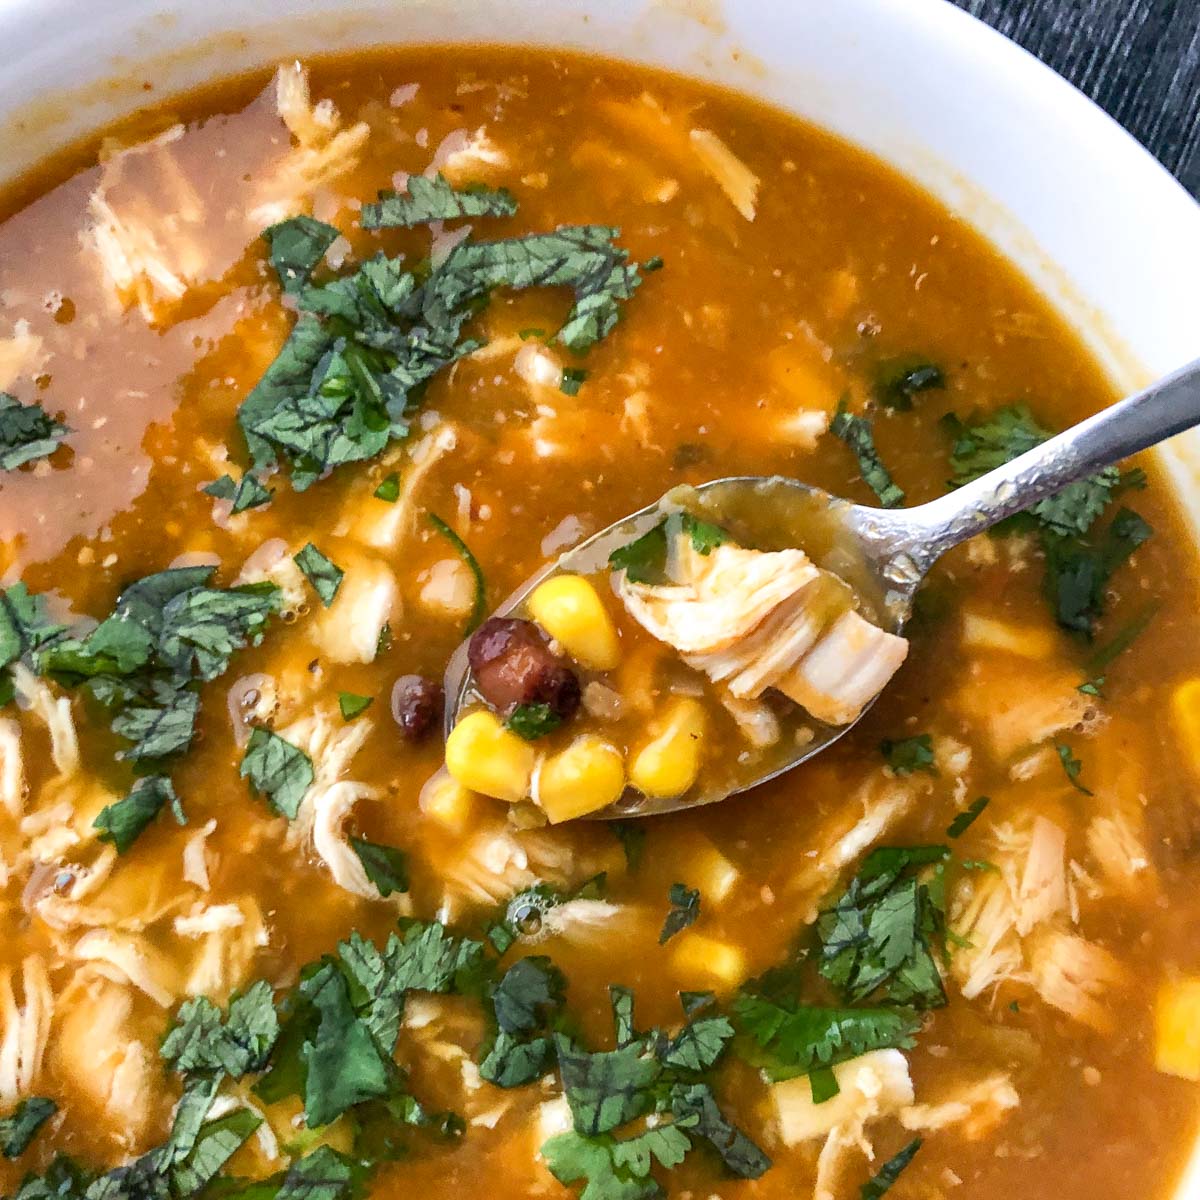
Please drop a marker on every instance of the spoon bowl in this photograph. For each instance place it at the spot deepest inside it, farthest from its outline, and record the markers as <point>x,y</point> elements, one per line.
<point>883,554</point>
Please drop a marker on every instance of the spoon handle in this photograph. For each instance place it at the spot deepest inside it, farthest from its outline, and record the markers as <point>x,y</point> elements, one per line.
<point>1164,409</point>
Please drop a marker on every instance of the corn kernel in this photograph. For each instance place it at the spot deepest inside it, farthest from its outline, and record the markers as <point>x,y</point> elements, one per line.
<point>668,765</point>
<point>570,610</point>
<point>1177,1028</point>
<point>1185,712</point>
<point>703,866</point>
<point>446,801</point>
<point>485,757</point>
<point>697,956</point>
<point>588,775</point>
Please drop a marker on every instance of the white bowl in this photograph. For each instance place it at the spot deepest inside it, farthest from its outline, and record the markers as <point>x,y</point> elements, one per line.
<point>1088,215</point>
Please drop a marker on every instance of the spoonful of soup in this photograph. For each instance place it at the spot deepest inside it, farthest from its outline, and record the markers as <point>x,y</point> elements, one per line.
<point>729,632</point>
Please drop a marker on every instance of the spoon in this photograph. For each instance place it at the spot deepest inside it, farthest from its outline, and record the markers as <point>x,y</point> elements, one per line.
<point>884,554</point>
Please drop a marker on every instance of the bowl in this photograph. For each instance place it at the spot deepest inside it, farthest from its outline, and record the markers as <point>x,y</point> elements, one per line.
<point>1088,215</point>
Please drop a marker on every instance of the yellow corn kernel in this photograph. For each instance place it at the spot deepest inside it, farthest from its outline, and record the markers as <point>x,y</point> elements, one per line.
<point>703,866</point>
<point>1177,1028</point>
<point>697,957</point>
<point>668,765</point>
<point>1185,713</point>
<point>446,801</point>
<point>485,757</point>
<point>570,610</point>
<point>585,777</point>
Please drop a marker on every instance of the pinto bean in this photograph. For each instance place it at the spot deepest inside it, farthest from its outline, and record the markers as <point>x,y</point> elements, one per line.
<point>512,664</point>
<point>417,704</point>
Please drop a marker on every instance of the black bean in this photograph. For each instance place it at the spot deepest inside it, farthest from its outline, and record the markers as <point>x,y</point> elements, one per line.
<point>417,704</point>
<point>512,664</point>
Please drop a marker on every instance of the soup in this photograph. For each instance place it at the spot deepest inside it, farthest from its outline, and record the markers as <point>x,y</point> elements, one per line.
<point>256,491</point>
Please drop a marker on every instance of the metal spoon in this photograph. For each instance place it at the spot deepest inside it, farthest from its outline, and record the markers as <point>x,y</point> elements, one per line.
<point>884,554</point>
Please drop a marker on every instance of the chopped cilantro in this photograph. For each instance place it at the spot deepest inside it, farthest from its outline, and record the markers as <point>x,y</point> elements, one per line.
<point>435,200</point>
<point>533,332</point>
<point>324,575</point>
<point>532,721</point>
<point>787,1039</point>
<point>573,378</point>
<point>525,1001</point>
<point>1123,639</point>
<point>1078,572</point>
<point>898,382</point>
<point>685,909</point>
<point>21,1125</point>
<point>653,263</point>
<point>278,770</point>
<point>876,939</point>
<point>353,705</point>
<point>389,489</point>
<point>25,625</point>
<point>881,1182</point>
<point>632,836</point>
<point>479,604</point>
<point>236,1044</point>
<point>121,822</point>
<point>246,493</point>
<point>1092,687</point>
<point>296,246</point>
<point>1071,766</point>
<point>906,755</point>
<point>386,867</point>
<point>26,433</point>
<point>612,1168</point>
<point>857,433</point>
<point>965,819</point>
<point>644,559</point>
<point>323,1174</point>
<point>345,383</point>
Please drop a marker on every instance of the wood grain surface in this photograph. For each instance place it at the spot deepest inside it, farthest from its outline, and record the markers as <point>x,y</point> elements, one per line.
<point>1138,59</point>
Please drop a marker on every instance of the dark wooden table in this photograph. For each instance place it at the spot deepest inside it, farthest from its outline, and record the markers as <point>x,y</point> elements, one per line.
<point>1138,59</point>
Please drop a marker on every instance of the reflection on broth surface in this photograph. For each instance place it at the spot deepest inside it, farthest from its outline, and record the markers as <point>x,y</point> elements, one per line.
<point>222,791</point>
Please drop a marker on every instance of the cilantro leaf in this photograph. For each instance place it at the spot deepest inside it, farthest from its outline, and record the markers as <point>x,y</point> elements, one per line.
<point>344,1063</point>
<point>25,626</point>
<point>386,867</point>
<point>1071,766</point>
<point>1077,574</point>
<point>532,721</point>
<point>435,200</point>
<point>296,246</point>
<point>26,433</point>
<point>644,559</point>
<point>216,1143</point>
<point>906,755</point>
<point>245,493</point>
<point>123,821</point>
<point>965,819</point>
<point>160,728</point>
<point>787,1039</point>
<point>899,381</point>
<point>352,705</point>
<point>479,604</point>
<point>632,836</point>
<point>699,1044</point>
<point>606,1088</point>
<point>324,575</point>
<point>20,1126</point>
<point>527,997</point>
<point>573,378</point>
<point>323,1174</point>
<point>613,1169</point>
<point>389,489</point>
<point>278,770</point>
<point>877,937</point>
<point>857,433</point>
<point>685,909</point>
<point>237,1044</point>
<point>881,1182</point>
<point>695,1106</point>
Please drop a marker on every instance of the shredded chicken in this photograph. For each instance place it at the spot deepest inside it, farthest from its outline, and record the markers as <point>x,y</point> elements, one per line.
<point>12,767</point>
<point>754,620</point>
<point>323,152</point>
<point>24,1028</point>
<point>21,355</point>
<point>975,1108</point>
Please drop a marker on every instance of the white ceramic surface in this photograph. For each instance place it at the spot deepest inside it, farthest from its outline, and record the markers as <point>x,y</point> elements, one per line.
<point>1087,214</point>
